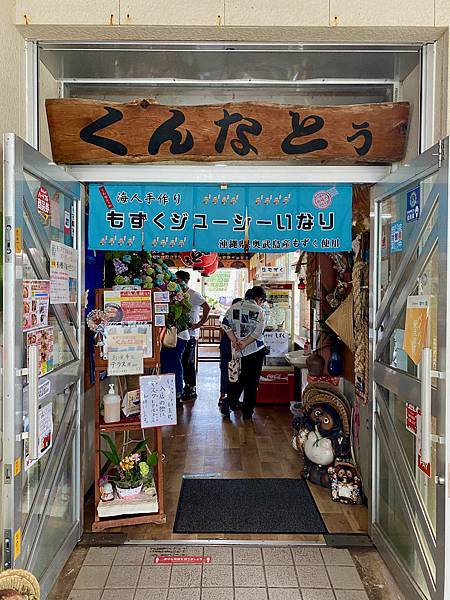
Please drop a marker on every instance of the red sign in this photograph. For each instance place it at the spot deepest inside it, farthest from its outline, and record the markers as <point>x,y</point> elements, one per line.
<point>43,202</point>
<point>425,467</point>
<point>412,412</point>
<point>181,560</point>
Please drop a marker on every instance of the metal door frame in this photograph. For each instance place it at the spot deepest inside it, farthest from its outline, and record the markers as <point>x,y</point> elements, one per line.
<point>434,160</point>
<point>19,157</point>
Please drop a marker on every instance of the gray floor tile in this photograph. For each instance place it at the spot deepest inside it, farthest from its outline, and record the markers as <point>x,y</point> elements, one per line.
<point>123,576</point>
<point>157,576</point>
<point>85,595</point>
<point>345,578</point>
<point>312,577</point>
<point>337,557</point>
<point>318,595</point>
<point>220,555</point>
<point>247,556</point>
<point>351,595</point>
<point>217,594</point>
<point>129,556</point>
<point>284,594</point>
<point>189,551</point>
<point>277,556</point>
<point>121,594</point>
<point>250,594</point>
<point>249,576</point>
<point>151,594</point>
<point>186,576</point>
<point>217,576</point>
<point>279,577</point>
<point>100,556</point>
<point>91,578</point>
<point>184,594</point>
<point>307,556</point>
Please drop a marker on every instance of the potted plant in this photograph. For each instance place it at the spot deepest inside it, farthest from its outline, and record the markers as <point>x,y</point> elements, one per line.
<point>132,471</point>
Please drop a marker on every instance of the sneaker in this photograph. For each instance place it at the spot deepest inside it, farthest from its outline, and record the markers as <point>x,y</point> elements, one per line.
<point>179,401</point>
<point>189,394</point>
<point>225,409</point>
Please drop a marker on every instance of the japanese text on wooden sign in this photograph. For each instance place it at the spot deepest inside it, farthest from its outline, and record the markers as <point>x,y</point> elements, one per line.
<point>266,218</point>
<point>91,131</point>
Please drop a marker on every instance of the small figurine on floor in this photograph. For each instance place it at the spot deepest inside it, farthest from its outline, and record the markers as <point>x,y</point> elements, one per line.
<point>345,483</point>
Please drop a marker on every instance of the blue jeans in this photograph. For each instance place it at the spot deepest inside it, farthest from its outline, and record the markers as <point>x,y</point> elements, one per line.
<point>171,363</point>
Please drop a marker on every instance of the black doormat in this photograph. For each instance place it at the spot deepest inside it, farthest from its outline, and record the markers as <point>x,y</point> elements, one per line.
<point>247,506</point>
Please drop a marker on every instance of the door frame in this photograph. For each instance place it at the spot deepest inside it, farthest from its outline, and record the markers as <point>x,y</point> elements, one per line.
<point>19,157</point>
<point>434,160</point>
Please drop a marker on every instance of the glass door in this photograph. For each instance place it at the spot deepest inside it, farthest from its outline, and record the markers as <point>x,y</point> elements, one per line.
<point>43,337</point>
<point>410,339</point>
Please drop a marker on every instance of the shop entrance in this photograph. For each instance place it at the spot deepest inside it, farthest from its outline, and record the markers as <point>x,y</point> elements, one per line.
<point>397,481</point>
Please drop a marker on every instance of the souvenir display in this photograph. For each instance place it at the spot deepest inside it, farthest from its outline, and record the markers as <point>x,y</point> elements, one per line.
<point>322,430</point>
<point>345,483</point>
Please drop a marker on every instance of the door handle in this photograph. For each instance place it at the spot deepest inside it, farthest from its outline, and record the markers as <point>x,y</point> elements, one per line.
<point>33,402</point>
<point>425,398</point>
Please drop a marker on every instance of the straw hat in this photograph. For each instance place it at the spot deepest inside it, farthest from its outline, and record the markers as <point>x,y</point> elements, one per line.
<point>320,387</point>
<point>336,403</point>
<point>22,582</point>
<point>341,322</point>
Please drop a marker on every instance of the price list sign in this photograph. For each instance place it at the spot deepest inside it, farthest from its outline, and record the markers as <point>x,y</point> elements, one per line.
<point>158,400</point>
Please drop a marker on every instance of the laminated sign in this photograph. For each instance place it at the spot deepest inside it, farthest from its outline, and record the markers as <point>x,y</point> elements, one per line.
<point>416,322</point>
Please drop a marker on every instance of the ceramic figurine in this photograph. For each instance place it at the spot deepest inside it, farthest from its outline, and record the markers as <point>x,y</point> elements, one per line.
<point>106,492</point>
<point>345,484</point>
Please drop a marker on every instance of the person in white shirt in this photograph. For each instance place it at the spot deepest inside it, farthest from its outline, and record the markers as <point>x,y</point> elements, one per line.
<point>198,303</point>
<point>244,324</point>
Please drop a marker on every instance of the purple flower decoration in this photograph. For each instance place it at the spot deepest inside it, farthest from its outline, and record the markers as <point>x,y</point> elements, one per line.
<point>119,266</point>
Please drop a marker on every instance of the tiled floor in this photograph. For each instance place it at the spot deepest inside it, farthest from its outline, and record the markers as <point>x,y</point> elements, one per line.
<point>233,573</point>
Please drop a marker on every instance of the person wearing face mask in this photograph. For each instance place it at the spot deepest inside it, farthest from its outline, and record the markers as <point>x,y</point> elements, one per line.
<point>244,324</point>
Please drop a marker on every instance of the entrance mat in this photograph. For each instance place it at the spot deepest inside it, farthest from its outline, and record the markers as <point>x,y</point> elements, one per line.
<point>247,506</point>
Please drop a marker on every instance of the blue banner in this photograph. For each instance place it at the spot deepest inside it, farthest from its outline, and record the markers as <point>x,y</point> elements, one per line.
<point>220,218</point>
<point>289,217</point>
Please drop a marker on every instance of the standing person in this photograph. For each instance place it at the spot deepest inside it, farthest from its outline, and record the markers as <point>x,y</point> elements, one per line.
<point>244,324</point>
<point>171,362</point>
<point>225,357</point>
<point>188,359</point>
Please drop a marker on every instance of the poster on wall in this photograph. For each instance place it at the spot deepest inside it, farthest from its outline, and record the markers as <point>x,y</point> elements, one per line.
<point>63,274</point>
<point>45,432</point>
<point>213,217</point>
<point>277,342</point>
<point>129,337</point>
<point>44,339</point>
<point>36,295</point>
<point>128,306</point>
<point>158,400</point>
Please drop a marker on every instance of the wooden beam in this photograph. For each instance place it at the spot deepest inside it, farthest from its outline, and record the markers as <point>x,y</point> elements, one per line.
<point>91,131</point>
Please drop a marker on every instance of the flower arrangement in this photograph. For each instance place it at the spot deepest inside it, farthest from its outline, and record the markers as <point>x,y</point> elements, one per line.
<point>130,472</point>
<point>151,273</point>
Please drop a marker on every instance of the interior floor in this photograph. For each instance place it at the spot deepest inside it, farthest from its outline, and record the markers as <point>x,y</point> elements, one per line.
<point>203,443</point>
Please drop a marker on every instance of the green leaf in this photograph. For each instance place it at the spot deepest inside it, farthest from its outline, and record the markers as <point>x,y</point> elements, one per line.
<point>115,458</point>
<point>152,459</point>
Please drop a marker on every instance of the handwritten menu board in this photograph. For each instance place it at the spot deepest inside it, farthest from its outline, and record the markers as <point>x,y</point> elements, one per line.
<point>125,362</point>
<point>158,400</point>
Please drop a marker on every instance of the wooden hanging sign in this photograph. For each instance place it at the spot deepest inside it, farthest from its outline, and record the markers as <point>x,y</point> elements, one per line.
<point>91,131</point>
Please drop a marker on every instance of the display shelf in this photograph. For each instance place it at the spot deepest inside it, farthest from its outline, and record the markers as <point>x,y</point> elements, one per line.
<point>142,504</point>
<point>125,424</point>
<point>149,511</point>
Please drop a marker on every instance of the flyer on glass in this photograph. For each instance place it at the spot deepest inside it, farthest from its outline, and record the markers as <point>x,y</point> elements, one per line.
<point>44,339</point>
<point>63,274</point>
<point>45,432</point>
<point>128,306</point>
<point>36,294</point>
